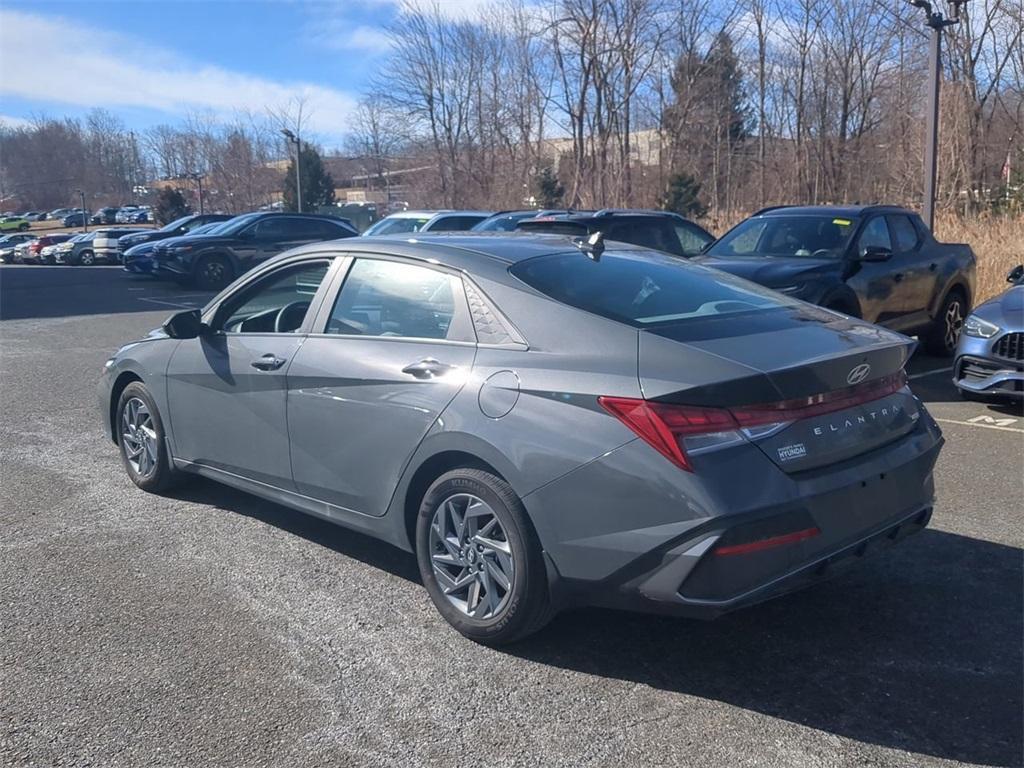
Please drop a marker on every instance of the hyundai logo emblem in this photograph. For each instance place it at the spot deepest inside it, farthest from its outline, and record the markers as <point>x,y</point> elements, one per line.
<point>858,374</point>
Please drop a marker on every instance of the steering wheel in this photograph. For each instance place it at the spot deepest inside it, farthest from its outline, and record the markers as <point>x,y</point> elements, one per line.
<point>294,312</point>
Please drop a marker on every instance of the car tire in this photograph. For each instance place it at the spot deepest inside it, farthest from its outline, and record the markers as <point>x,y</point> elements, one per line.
<point>23,227</point>
<point>213,273</point>
<point>506,549</point>
<point>941,337</point>
<point>140,438</point>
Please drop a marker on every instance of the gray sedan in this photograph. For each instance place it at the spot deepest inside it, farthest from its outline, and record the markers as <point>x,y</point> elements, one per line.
<point>990,353</point>
<point>544,422</point>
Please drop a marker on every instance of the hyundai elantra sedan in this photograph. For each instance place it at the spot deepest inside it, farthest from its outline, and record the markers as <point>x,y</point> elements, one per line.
<point>544,423</point>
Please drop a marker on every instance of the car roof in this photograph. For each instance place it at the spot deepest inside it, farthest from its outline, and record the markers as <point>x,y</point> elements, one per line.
<point>476,252</point>
<point>831,210</point>
<point>415,214</point>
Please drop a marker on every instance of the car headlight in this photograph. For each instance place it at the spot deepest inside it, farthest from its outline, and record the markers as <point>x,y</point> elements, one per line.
<point>975,326</point>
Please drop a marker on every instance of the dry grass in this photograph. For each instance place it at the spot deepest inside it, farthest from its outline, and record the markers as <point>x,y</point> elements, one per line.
<point>998,242</point>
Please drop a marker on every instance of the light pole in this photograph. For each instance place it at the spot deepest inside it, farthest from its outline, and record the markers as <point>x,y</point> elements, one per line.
<point>293,139</point>
<point>936,22</point>
<point>85,213</point>
<point>198,178</point>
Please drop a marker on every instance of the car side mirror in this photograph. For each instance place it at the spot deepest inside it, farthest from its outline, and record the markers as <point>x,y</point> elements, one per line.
<point>1016,274</point>
<point>876,253</point>
<point>187,324</point>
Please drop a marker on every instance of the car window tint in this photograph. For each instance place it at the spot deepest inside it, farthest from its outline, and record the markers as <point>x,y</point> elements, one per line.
<point>454,223</point>
<point>270,229</point>
<point>644,288</point>
<point>904,232</point>
<point>875,234</point>
<point>691,239</point>
<point>649,234</point>
<point>278,303</point>
<point>388,298</point>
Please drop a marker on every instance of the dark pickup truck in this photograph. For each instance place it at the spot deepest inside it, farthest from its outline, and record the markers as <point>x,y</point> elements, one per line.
<point>876,262</point>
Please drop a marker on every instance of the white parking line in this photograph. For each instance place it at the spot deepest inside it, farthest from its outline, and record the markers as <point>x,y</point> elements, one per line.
<point>929,373</point>
<point>983,426</point>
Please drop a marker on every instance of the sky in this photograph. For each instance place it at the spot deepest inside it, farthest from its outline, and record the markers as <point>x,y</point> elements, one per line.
<point>154,61</point>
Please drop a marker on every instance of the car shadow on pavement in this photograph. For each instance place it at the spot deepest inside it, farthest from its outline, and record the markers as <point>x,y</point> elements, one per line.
<point>365,549</point>
<point>918,650</point>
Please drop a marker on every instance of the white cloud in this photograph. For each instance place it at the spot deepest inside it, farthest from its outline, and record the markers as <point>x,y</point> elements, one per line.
<point>338,34</point>
<point>9,121</point>
<point>114,71</point>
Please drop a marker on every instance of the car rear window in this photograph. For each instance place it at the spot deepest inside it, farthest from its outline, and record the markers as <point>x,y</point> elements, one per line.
<point>644,288</point>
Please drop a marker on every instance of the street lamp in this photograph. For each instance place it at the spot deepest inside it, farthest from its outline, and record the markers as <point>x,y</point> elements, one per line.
<point>85,213</point>
<point>198,179</point>
<point>293,139</point>
<point>936,22</point>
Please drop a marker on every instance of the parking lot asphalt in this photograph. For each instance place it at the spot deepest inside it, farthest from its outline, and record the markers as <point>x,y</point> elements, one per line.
<point>213,628</point>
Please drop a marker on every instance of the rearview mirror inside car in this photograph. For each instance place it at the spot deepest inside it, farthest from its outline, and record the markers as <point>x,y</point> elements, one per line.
<point>1016,274</point>
<point>876,253</point>
<point>184,325</point>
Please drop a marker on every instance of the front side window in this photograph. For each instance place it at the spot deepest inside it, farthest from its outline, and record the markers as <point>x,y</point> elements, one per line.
<point>389,298</point>
<point>644,288</point>
<point>823,237</point>
<point>276,304</point>
<point>875,235</point>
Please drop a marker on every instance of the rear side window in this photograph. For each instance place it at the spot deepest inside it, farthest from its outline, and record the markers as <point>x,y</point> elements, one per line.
<point>388,298</point>
<point>649,234</point>
<point>455,223</point>
<point>644,289</point>
<point>553,227</point>
<point>904,231</point>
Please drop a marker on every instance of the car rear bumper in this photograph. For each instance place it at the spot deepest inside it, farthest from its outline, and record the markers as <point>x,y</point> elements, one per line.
<point>989,376</point>
<point>612,541</point>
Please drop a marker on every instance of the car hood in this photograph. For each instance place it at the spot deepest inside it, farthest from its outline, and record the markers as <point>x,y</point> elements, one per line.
<point>1006,310</point>
<point>144,237</point>
<point>771,271</point>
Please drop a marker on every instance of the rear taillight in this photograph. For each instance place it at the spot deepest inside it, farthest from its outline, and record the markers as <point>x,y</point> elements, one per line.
<point>679,431</point>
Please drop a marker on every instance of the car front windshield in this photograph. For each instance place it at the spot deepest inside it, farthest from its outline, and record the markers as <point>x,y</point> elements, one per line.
<point>175,224</point>
<point>815,236</point>
<point>644,288</point>
<point>397,225</point>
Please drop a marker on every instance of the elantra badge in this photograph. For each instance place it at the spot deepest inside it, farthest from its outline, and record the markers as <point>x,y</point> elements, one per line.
<point>858,374</point>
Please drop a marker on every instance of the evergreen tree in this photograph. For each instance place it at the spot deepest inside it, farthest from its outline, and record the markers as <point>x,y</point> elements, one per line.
<point>728,98</point>
<point>548,190</point>
<point>317,184</point>
<point>171,205</point>
<point>682,196</point>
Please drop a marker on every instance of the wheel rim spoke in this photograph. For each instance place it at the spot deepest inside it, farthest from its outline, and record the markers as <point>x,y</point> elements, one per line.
<point>471,556</point>
<point>139,437</point>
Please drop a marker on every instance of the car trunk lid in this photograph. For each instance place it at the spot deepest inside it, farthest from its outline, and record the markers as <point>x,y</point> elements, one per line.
<point>808,386</point>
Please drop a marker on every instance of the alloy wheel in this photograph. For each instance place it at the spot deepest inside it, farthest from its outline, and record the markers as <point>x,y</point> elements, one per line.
<point>213,272</point>
<point>471,556</point>
<point>138,436</point>
<point>954,322</point>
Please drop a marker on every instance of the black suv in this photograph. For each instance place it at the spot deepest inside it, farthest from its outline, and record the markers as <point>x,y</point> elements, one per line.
<point>176,228</point>
<point>660,230</point>
<point>213,260</point>
<point>876,262</point>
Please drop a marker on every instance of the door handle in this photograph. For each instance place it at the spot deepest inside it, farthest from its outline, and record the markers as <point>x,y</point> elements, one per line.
<point>427,368</point>
<point>932,267</point>
<point>269,362</point>
<point>898,277</point>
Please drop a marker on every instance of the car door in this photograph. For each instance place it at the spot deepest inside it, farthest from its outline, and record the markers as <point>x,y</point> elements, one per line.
<point>395,347</point>
<point>226,389</point>
<point>919,269</point>
<point>878,284</point>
